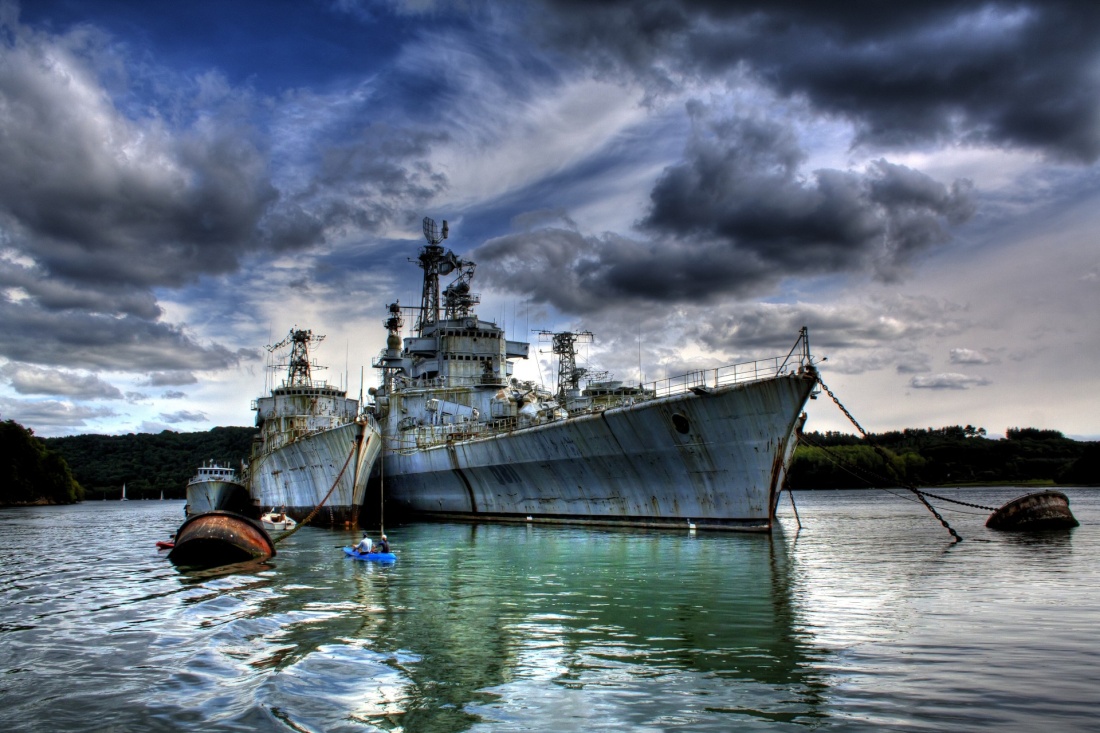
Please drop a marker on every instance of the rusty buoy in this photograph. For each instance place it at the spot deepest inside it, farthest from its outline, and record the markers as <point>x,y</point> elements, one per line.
<point>1042,510</point>
<point>220,538</point>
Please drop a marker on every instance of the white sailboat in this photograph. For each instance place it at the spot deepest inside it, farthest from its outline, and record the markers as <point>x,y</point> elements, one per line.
<point>123,493</point>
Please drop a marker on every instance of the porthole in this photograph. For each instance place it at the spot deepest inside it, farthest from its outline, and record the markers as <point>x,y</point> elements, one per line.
<point>680,422</point>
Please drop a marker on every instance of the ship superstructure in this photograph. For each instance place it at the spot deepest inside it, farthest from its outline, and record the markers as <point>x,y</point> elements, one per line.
<point>315,448</point>
<point>464,439</point>
<point>216,487</point>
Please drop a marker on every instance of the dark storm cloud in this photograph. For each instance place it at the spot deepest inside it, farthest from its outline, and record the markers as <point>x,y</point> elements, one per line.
<point>55,295</point>
<point>26,379</point>
<point>100,204</point>
<point>170,379</point>
<point>1017,74</point>
<point>734,218</point>
<point>52,417</point>
<point>95,198</point>
<point>884,320</point>
<point>740,185</point>
<point>92,341</point>
<point>376,179</point>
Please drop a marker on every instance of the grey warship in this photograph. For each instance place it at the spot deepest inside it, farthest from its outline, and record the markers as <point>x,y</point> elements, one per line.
<point>464,439</point>
<point>315,449</point>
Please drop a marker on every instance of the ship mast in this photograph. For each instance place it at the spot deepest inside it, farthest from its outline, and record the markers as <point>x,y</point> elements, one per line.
<point>434,260</point>
<point>563,344</point>
<point>298,367</point>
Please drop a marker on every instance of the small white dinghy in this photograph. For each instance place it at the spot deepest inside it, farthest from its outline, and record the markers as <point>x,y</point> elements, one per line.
<point>277,520</point>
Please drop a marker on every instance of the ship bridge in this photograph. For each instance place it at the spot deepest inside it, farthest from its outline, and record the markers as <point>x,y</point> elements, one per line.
<point>451,347</point>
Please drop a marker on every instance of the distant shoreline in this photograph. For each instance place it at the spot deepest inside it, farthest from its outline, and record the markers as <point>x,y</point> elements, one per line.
<point>1032,484</point>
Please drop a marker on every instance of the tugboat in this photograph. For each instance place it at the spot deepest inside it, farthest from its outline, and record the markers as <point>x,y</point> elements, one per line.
<point>216,487</point>
<point>464,439</point>
<point>314,449</point>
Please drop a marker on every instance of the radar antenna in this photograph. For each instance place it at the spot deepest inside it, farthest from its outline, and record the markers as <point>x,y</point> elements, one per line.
<point>564,346</point>
<point>431,232</point>
<point>457,300</point>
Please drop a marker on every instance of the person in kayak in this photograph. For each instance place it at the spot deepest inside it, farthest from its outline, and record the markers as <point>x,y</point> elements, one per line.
<point>383,545</point>
<point>364,546</point>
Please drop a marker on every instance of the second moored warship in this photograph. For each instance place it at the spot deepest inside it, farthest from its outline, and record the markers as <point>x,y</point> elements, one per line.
<point>315,448</point>
<point>464,439</point>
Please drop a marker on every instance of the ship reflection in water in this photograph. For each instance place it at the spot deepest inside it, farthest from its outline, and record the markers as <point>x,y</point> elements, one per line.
<point>494,624</point>
<point>869,619</point>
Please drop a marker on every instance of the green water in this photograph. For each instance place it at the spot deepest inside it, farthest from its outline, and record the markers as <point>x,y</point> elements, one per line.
<point>865,619</point>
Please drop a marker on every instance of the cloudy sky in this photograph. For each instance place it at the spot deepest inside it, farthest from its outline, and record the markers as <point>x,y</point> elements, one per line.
<point>691,180</point>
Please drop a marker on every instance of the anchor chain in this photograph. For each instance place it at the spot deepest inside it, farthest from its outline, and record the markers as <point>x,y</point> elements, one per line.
<point>309,517</point>
<point>868,475</point>
<point>960,503</point>
<point>886,460</point>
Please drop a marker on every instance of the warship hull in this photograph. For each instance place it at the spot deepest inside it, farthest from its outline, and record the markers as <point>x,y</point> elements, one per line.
<point>299,475</point>
<point>712,458</point>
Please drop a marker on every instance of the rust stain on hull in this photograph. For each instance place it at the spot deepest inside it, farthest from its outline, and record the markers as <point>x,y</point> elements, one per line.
<point>1039,511</point>
<point>220,538</point>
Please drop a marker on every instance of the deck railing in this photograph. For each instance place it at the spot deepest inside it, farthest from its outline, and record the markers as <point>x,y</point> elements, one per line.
<point>420,437</point>
<point>747,371</point>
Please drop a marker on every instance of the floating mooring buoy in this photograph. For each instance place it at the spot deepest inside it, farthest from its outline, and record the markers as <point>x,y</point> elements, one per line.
<point>1043,510</point>
<point>220,538</point>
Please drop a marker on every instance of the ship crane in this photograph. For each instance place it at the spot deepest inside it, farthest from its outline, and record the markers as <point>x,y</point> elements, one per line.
<point>563,344</point>
<point>298,365</point>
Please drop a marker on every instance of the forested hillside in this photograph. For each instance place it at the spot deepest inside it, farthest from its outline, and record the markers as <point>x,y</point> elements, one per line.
<point>148,463</point>
<point>951,455</point>
<point>32,473</point>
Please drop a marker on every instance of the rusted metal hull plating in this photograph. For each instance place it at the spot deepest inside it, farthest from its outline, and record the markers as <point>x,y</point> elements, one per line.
<point>220,538</point>
<point>298,475</point>
<point>715,458</point>
<point>1039,511</point>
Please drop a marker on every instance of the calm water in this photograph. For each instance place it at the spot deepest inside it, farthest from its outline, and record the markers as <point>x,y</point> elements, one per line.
<point>866,619</point>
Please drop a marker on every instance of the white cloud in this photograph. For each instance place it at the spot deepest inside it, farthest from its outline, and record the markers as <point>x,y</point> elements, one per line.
<point>53,417</point>
<point>183,416</point>
<point>946,380</point>
<point>28,380</point>
<point>968,356</point>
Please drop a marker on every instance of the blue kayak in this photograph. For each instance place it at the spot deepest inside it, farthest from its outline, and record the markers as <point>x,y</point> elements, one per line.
<point>370,556</point>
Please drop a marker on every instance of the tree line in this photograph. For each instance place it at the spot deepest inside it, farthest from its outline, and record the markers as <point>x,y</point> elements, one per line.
<point>149,463</point>
<point>69,469</point>
<point>955,454</point>
<point>31,473</point>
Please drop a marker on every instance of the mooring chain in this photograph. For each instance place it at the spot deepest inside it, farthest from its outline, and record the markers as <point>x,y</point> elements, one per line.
<point>960,503</point>
<point>886,460</point>
<point>858,470</point>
